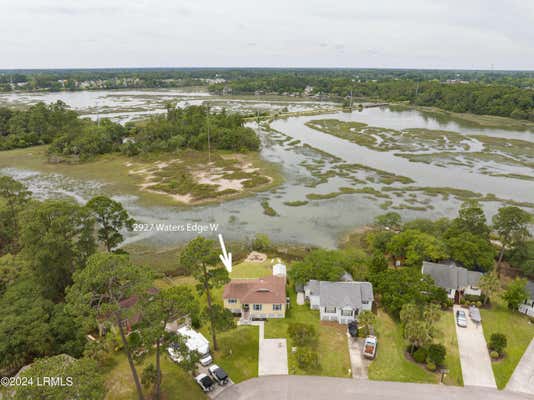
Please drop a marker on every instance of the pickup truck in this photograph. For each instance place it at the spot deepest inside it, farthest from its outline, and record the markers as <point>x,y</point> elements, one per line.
<point>369,347</point>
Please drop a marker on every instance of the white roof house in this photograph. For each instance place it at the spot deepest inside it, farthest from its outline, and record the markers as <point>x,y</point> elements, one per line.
<point>194,340</point>
<point>279,270</point>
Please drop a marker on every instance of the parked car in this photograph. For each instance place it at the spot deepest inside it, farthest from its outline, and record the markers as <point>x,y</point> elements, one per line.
<point>205,382</point>
<point>206,360</point>
<point>461,319</point>
<point>474,314</point>
<point>174,353</point>
<point>353,328</point>
<point>369,347</point>
<point>218,374</point>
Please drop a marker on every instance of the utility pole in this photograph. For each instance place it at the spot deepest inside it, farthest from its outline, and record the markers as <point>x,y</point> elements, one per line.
<point>209,139</point>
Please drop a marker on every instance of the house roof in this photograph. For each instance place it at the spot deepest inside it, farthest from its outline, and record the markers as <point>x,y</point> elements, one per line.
<point>450,276</point>
<point>313,287</point>
<point>344,294</point>
<point>268,290</point>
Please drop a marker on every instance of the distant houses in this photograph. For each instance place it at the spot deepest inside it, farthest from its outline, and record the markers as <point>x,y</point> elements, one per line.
<point>339,301</point>
<point>457,281</point>
<point>527,307</point>
<point>257,298</point>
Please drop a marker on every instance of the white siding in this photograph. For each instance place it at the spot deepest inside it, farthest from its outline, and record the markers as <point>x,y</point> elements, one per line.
<point>314,302</point>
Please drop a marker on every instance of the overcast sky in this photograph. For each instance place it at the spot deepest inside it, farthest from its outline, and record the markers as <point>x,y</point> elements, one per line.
<point>270,33</point>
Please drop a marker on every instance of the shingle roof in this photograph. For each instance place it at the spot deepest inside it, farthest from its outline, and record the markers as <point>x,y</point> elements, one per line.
<point>313,287</point>
<point>342,294</point>
<point>450,276</point>
<point>268,290</point>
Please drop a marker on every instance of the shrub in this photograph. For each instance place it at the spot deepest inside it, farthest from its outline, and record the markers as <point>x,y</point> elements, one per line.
<point>307,358</point>
<point>420,355</point>
<point>149,376</point>
<point>261,243</point>
<point>478,304</point>
<point>302,334</point>
<point>436,353</point>
<point>494,355</point>
<point>498,342</point>
<point>431,366</point>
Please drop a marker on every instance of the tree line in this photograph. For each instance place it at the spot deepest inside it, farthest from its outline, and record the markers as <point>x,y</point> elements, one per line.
<point>501,98</point>
<point>63,276</point>
<point>70,136</point>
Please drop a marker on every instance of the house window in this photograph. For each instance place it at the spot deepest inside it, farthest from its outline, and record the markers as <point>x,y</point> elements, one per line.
<point>330,310</point>
<point>277,307</point>
<point>257,307</point>
<point>232,301</point>
<point>346,313</point>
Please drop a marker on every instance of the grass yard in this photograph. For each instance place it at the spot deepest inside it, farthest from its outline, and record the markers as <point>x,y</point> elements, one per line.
<point>238,354</point>
<point>499,319</point>
<point>252,270</point>
<point>332,347</point>
<point>447,328</point>
<point>176,383</point>
<point>390,363</point>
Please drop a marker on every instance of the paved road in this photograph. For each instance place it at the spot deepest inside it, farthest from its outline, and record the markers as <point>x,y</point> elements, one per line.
<point>294,387</point>
<point>474,356</point>
<point>522,379</point>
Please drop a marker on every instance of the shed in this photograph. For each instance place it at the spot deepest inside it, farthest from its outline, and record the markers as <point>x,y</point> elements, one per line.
<point>279,270</point>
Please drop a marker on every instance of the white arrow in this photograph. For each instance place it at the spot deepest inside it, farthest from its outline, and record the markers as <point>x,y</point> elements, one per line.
<point>226,258</point>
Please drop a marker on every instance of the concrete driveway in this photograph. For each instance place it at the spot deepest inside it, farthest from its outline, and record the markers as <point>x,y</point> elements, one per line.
<point>272,354</point>
<point>358,363</point>
<point>474,356</point>
<point>294,387</point>
<point>522,379</point>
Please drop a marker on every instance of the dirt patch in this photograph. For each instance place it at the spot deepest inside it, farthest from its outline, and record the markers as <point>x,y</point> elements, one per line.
<point>256,257</point>
<point>195,178</point>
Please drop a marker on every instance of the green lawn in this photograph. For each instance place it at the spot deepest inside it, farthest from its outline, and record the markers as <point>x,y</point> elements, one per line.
<point>447,328</point>
<point>332,347</point>
<point>499,319</point>
<point>238,353</point>
<point>176,383</point>
<point>390,363</point>
<point>252,270</point>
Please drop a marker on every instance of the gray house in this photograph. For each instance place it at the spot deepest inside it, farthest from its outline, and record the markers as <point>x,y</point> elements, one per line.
<point>339,301</point>
<point>457,281</point>
<point>527,307</point>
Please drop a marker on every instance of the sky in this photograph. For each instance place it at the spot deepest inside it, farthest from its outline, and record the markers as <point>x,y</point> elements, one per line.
<point>466,34</point>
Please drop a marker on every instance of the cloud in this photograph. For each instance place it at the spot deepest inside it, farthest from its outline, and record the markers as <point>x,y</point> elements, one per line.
<point>308,33</point>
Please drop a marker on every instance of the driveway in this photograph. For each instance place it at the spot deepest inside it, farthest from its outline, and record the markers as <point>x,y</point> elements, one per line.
<point>358,363</point>
<point>272,354</point>
<point>474,356</point>
<point>295,387</point>
<point>522,379</point>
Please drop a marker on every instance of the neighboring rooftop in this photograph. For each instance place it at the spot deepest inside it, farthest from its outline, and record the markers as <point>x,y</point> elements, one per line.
<point>342,294</point>
<point>450,276</point>
<point>267,290</point>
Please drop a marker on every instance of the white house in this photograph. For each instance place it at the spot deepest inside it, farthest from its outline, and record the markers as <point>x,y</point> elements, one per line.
<point>527,307</point>
<point>339,301</point>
